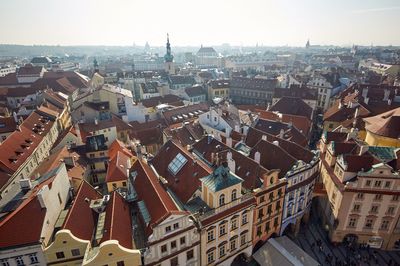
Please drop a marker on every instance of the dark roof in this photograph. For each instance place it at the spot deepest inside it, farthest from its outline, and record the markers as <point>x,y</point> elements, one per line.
<point>206,50</point>
<point>98,106</point>
<point>253,83</point>
<point>219,83</point>
<point>184,113</point>
<point>181,79</point>
<point>41,60</point>
<point>289,132</point>
<point>7,124</point>
<point>29,70</point>
<point>297,91</point>
<point>166,99</point>
<point>292,106</point>
<point>195,91</point>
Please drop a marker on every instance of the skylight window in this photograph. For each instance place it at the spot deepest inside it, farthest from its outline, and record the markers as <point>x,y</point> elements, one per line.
<point>177,163</point>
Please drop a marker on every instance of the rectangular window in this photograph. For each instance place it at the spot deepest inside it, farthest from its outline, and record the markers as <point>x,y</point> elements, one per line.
<point>222,230</point>
<point>210,235</point>
<point>368,223</point>
<point>260,214</point>
<point>267,227</point>
<point>183,240</point>
<point>356,207</point>
<point>234,224</point>
<point>60,255</point>
<point>352,222</point>
<point>163,248</point>
<point>75,252</point>
<point>360,196</point>
<point>233,244</point>
<point>378,197</point>
<point>262,199</point>
<point>174,261</point>
<point>390,210</point>
<point>276,223</point>
<point>368,183</point>
<point>385,225</point>
<point>222,251</point>
<point>244,218</point>
<point>243,239</point>
<point>176,226</point>
<point>387,184</point>
<point>168,229</point>
<point>59,198</point>
<point>395,198</point>
<point>173,244</point>
<point>378,183</point>
<point>210,256</point>
<point>33,258</point>
<point>374,209</point>
<point>189,254</point>
<point>20,261</point>
<point>120,263</point>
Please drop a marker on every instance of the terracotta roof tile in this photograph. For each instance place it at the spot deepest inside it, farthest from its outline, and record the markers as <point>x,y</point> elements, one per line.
<point>80,219</point>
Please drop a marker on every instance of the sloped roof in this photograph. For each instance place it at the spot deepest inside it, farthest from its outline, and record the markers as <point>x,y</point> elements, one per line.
<point>221,178</point>
<point>118,168</point>
<point>292,106</point>
<point>386,124</point>
<point>118,222</point>
<point>166,99</point>
<point>187,180</point>
<point>80,219</point>
<point>195,91</point>
<point>158,203</point>
<point>7,124</point>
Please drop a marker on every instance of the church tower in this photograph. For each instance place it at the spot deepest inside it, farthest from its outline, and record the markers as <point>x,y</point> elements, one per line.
<point>308,44</point>
<point>169,59</point>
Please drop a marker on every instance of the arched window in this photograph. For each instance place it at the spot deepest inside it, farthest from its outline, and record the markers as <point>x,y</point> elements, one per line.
<point>234,194</point>
<point>221,200</point>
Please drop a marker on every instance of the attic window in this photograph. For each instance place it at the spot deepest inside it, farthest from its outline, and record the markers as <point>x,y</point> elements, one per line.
<point>177,163</point>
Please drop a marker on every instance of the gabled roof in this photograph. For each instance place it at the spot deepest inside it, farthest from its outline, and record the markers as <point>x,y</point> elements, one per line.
<point>118,168</point>
<point>81,219</point>
<point>29,230</point>
<point>118,221</point>
<point>275,128</point>
<point>245,167</point>
<point>295,150</point>
<point>181,79</point>
<point>149,190</point>
<point>273,157</point>
<point>296,91</point>
<point>187,180</point>
<point>253,83</point>
<point>29,70</point>
<point>186,134</point>
<point>61,84</point>
<point>292,106</point>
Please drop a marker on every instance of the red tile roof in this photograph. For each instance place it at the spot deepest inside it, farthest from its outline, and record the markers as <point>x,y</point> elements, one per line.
<point>185,183</point>
<point>7,124</point>
<point>29,230</point>
<point>118,168</point>
<point>159,204</point>
<point>80,219</point>
<point>118,222</point>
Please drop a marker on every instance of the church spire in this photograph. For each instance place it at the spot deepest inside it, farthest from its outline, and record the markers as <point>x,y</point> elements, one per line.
<point>168,56</point>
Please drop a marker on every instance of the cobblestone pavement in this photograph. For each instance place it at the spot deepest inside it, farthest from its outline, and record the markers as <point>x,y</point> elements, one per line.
<point>314,240</point>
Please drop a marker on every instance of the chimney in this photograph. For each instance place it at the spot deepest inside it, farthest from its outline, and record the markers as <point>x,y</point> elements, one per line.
<point>129,164</point>
<point>231,162</point>
<point>15,117</point>
<point>366,100</point>
<point>257,156</point>
<point>356,113</point>
<point>386,95</point>
<point>275,142</point>
<point>264,137</point>
<point>209,139</point>
<point>390,102</point>
<point>96,122</point>
<point>229,142</point>
<point>281,132</point>
<point>25,184</point>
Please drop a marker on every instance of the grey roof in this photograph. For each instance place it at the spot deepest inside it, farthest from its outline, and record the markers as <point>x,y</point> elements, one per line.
<point>283,252</point>
<point>220,179</point>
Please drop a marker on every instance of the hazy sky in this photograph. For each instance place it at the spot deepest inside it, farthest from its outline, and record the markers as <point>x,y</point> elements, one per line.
<point>208,22</point>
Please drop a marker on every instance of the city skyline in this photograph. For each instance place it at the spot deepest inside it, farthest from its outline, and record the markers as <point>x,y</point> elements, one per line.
<point>268,23</point>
